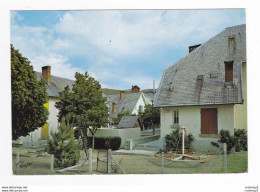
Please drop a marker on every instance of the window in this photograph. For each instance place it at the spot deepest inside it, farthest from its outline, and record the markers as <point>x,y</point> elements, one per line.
<point>175,117</point>
<point>229,71</point>
<point>209,121</point>
<point>141,108</point>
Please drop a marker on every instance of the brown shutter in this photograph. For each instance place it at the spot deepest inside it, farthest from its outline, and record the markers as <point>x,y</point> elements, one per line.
<point>209,121</point>
<point>229,71</point>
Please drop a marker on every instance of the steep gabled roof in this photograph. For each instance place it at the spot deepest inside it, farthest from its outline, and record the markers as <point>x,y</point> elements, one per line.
<point>127,103</point>
<point>207,59</point>
<point>129,122</point>
<point>56,85</point>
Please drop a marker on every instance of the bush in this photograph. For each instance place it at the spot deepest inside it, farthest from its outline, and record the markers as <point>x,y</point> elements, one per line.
<point>112,143</point>
<point>238,141</point>
<point>174,140</point>
<point>62,145</point>
<point>241,139</point>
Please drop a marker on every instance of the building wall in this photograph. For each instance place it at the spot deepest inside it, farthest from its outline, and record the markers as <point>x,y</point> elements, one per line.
<point>34,138</point>
<point>191,119</point>
<point>53,118</point>
<point>124,134</point>
<point>241,109</point>
<point>138,103</point>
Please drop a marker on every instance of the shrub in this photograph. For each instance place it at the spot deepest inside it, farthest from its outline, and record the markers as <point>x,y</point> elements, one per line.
<point>238,141</point>
<point>174,140</point>
<point>112,143</point>
<point>62,145</point>
<point>241,139</point>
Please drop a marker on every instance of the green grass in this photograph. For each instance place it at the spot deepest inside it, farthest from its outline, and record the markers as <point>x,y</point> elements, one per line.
<point>237,162</point>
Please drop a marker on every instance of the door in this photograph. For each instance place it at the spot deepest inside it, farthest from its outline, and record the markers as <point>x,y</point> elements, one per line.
<point>209,121</point>
<point>45,128</point>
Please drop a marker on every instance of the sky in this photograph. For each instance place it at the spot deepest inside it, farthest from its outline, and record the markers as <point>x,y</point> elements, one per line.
<point>119,48</point>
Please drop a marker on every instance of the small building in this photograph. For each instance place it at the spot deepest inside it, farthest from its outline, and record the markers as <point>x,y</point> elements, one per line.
<point>206,91</point>
<point>130,122</point>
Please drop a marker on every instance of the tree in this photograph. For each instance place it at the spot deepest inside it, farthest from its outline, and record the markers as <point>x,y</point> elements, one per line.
<point>62,145</point>
<point>150,117</point>
<point>84,101</point>
<point>28,97</point>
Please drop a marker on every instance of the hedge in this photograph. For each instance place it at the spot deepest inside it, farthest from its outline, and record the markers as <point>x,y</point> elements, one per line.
<point>112,143</point>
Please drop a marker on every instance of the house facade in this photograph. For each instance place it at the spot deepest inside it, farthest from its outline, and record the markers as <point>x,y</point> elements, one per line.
<point>54,85</point>
<point>132,102</point>
<point>206,90</point>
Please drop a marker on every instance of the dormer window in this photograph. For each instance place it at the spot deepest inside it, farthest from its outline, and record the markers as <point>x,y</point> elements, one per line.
<point>229,71</point>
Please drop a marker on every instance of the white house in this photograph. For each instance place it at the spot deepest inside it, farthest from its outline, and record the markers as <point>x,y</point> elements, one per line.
<point>206,90</point>
<point>132,102</point>
<point>54,85</point>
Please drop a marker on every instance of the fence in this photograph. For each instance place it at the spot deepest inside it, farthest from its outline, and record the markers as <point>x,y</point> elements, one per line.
<point>112,162</point>
<point>109,162</point>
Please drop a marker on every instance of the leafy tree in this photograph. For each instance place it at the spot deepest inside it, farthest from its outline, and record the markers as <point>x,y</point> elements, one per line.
<point>150,117</point>
<point>62,145</point>
<point>84,101</point>
<point>120,115</point>
<point>28,97</point>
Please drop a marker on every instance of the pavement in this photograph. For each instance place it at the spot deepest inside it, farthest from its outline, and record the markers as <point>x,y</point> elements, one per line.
<point>135,152</point>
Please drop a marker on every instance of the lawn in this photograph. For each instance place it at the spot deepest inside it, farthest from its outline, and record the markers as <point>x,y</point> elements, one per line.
<point>237,162</point>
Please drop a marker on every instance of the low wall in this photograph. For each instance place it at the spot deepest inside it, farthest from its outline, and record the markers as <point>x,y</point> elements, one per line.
<point>130,144</point>
<point>124,134</point>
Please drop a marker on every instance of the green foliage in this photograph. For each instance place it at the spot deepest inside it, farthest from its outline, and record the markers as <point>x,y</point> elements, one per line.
<point>28,97</point>
<point>120,115</point>
<point>150,117</point>
<point>239,140</point>
<point>112,143</point>
<point>84,101</point>
<point>174,140</point>
<point>63,146</point>
<point>225,137</point>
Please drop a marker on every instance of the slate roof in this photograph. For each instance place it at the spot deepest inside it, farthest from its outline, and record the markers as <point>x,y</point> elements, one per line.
<point>56,85</point>
<point>128,122</point>
<point>127,103</point>
<point>229,45</point>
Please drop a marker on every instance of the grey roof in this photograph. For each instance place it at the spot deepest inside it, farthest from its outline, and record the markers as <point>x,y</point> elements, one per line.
<point>56,85</point>
<point>127,122</point>
<point>127,103</point>
<point>206,59</point>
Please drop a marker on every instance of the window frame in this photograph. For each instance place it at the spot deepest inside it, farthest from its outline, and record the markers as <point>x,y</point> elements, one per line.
<point>176,117</point>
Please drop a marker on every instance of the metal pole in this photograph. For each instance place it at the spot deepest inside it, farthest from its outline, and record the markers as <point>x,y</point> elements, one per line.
<point>90,160</point>
<point>225,157</point>
<point>183,143</point>
<point>52,162</point>
<point>162,162</point>
<point>109,161</point>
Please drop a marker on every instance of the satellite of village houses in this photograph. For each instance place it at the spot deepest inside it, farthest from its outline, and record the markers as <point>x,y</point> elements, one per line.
<point>129,92</point>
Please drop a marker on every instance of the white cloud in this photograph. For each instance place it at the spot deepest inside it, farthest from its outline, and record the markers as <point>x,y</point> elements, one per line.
<point>107,40</point>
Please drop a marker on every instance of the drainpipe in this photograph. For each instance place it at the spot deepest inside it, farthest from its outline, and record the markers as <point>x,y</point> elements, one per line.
<point>183,143</point>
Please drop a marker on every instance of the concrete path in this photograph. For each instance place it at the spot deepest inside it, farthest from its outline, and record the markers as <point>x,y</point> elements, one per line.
<point>136,152</point>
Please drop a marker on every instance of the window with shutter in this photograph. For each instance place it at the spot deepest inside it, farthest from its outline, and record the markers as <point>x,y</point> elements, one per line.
<point>229,71</point>
<point>209,121</point>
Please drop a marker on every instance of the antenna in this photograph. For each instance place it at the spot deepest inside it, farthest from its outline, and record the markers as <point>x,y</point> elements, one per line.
<point>153,86</point>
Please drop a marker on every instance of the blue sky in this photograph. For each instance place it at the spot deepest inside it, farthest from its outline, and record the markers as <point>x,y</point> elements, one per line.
<point>120,48</point>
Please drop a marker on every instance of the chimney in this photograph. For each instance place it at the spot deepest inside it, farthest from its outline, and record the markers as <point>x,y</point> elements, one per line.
<point>113,107</point>
<point>135,89</point>
<point>193,47</point>
<point>122,94</point>
<point>46,73</point>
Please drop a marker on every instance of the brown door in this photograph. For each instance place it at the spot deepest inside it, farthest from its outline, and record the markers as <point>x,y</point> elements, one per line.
<point>209,121</point>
